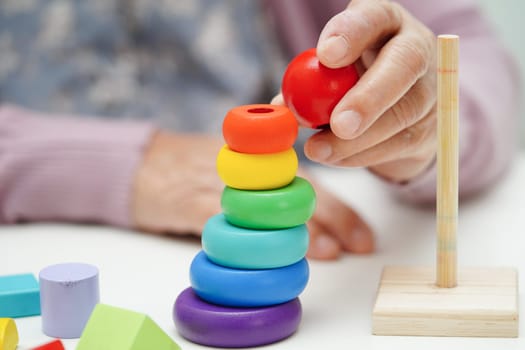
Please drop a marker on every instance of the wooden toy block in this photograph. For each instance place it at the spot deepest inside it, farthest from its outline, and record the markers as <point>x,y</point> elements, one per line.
<point>68,295</point>
<point>483,304</point>
<point>447,301</point>
<point>8,334</point>
<point>112,328</point>
<point>19,296</point>
<point>54,345</point>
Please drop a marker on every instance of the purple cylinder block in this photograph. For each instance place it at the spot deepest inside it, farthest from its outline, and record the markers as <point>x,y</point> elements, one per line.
<point>68,294</point>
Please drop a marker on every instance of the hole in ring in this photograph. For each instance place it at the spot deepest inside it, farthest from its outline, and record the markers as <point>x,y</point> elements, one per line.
<point>260,110</point>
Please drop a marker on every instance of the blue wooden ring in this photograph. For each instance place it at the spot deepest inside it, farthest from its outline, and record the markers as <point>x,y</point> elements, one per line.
<point>221,326</point>
<point>247,288</point>
<point>237,247</point>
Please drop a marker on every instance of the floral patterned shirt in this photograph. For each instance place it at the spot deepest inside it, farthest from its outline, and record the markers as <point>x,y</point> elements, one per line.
<point>180,63</point>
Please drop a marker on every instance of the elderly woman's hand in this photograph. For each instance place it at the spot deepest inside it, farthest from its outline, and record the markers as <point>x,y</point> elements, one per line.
<point>387,121</point>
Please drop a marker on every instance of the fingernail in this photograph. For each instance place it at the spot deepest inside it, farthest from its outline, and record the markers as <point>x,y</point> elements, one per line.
<point>333,49</point>
<point>346,124</point>
<point>320,150</point>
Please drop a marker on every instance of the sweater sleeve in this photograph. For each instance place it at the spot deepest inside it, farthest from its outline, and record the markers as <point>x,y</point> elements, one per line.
<point>67,169</point>
<point>489,90</point>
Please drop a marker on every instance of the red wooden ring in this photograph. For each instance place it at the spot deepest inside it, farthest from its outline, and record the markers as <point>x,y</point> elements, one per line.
<point>260,128</point>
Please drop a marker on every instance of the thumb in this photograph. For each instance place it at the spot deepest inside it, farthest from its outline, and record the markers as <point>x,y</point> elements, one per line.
<point>364,24</point>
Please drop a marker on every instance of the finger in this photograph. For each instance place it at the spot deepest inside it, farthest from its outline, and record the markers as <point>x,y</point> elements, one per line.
<point>402,170</point>
<point>357,28</point>
<point>322,245</point>
<point>400,64</point>
<point>278,100</point>
<point>367,59</point>
<point>327,148</point>
<point>416,142</point>
<point>343,223</point>
<point>336,219</point>
<point>360,240</point>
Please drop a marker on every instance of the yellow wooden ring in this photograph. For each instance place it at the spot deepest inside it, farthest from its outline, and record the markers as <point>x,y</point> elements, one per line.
<point>266,171</point>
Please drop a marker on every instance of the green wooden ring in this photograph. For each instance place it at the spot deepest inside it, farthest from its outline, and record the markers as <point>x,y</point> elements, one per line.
<point>283,207</point>
<point>241,248</point>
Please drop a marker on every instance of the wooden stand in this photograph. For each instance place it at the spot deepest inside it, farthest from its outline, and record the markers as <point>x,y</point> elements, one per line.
<point>484,303</point>
<point>474,302</point>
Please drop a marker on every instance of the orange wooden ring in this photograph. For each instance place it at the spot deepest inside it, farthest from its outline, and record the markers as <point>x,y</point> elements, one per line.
<point>260,128</point>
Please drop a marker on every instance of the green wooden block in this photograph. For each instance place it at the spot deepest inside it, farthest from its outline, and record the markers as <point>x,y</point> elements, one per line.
<point>19,296</point>
<point>112,328</point>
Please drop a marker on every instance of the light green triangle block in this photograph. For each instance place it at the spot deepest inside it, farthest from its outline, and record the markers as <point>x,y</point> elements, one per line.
<point>112,328</point>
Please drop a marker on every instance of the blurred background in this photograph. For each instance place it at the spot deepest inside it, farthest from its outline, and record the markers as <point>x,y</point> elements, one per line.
<point>508,18</point>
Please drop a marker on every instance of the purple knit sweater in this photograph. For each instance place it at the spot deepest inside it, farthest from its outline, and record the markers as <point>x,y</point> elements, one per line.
<point>82,170</point>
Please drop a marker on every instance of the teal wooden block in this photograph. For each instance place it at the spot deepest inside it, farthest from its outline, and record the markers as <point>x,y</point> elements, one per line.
<point>19,296</point>
<point>112,328</point>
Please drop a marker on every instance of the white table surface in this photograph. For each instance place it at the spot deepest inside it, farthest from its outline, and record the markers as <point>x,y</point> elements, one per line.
<point>146,273</point>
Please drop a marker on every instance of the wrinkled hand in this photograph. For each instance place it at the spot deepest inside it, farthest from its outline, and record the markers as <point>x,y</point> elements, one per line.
<point>177,189</point>
<point>335,227</point>
<point>387,121</point>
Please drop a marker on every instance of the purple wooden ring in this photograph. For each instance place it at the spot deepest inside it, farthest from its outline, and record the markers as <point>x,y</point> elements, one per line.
<point>229,327</point>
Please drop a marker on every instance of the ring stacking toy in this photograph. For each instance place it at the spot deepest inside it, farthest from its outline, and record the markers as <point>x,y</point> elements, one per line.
<point>242,248</point>
<point>259,129</point>
<point>68,295</point>
<point>221,326</point>
<point>283,207</point>
<point>247,288</point>
<point>256,171</point>
<point>246,281</point>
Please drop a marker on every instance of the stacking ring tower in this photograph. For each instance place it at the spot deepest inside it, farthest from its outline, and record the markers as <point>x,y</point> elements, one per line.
<point>246,280</point>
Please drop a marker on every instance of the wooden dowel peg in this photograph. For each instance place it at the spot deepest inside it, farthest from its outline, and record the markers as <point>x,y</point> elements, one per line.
<point>476,302</point>
<point>447,159</point>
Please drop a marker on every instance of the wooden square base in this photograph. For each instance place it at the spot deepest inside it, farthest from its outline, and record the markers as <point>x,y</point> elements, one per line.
<point>484,303</point>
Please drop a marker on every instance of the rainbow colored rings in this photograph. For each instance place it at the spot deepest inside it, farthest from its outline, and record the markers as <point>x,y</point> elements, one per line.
<point>256,171</point>
<point>247,288</point>
<point>222,326</point>
<point>260,128</point>
<point>246,281</point>
<point>242,248</point>
<point>283,207</point>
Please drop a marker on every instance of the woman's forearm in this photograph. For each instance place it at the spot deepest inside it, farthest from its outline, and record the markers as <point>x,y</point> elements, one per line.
<point>67,169</point>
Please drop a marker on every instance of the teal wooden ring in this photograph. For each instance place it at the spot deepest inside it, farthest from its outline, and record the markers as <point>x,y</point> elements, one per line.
<point>242,248</point>
<point>283,207</point>
<point>247,288</point>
